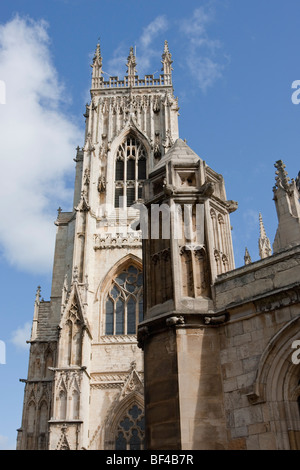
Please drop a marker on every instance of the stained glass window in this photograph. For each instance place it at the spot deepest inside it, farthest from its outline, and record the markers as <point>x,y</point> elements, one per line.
<point>124,302</point>
<point>130,172</point>
<point>131,430</point>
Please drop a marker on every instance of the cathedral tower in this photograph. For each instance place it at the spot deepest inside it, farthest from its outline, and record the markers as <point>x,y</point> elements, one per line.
<point>85,377</point>
<point>148,316</point>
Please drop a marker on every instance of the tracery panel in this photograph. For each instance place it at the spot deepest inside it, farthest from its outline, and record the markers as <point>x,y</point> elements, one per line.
<point>124,302</point>
<point>131,430</point>
<point>130,171</point>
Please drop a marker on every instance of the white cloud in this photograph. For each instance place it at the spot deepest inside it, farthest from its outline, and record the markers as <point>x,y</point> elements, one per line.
<point>116,66</point>
<point>154,28</point>
<point>203,58</point>
<point>37,145</point>
<point>21,335</point>
<point>146,51</point>
<point>206,71</point>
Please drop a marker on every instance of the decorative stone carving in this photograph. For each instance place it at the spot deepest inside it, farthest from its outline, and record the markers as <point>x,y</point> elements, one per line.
<point>168,141</point>
<point>101,184</point>
<point>63,443</point>
<point>173,321</point>
<point>215,319</point>
<point>118,240</point>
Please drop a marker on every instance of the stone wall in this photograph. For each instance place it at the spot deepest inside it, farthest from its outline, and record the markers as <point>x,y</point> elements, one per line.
<point>260,382</point>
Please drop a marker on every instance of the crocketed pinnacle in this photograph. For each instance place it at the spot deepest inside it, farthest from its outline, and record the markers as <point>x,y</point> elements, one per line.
<point>261,227</point>
<point>167,60</point>
<point>131,63</point>
<point>264,244</point>
<point>97,60</point>
<point>247,257</point>
<point>282,179</point>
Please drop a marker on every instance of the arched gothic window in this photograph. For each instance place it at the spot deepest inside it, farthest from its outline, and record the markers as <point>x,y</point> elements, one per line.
<point>62,404</point>
<point>131,430</point>
<point>124,302</point>
<point>130,172</point>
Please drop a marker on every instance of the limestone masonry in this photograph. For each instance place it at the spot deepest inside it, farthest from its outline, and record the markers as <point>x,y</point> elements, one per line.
<point>148,316</point>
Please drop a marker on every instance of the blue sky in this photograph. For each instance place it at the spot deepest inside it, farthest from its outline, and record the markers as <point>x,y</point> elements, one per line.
<point>234,65</point>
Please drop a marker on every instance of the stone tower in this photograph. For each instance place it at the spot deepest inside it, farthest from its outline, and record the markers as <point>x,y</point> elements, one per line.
<point>187,245</point>
<point>148,316</point>
<point>221,339</point>
<point>85,376</point>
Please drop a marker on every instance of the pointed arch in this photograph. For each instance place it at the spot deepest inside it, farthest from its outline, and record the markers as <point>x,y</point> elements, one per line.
<point>72,324</point>
<point>130,128</point>
<point>125,426</point>
<point>31,424</point>
<point>62,404</point>
<point>31,416</point>
<point>130,171</point>
<point>48,362</point>
<point>278,384</point>
<point>127,171</point>
<point>121,263</point>
<point>43,417</point>
<point>61,399</point>
<point>75,404</point>
<point>121,298</point>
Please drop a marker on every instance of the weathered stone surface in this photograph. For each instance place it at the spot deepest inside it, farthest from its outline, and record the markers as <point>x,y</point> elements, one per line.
<point>213,352</point>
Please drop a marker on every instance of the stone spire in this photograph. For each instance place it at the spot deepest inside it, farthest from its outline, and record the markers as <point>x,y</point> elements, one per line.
<point>167,64</point>
<point>247,257</point>
<point>97,68</point>
<point>286,197</point>
<point>263,242</point>
<point>131,67</point>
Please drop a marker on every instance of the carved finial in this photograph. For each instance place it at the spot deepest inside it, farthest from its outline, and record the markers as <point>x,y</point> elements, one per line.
<point>167,64</point>
<point>282,179</point>
<point>97,68</point>
<point>286,197</point>
<point>38,294</point>
<point>79,155</point>
<point>262,230</point>
<point>263,242</point>
<point>247,257</point>
<point>131,64</point>
<point>97,60</point>
<point>59,211</point>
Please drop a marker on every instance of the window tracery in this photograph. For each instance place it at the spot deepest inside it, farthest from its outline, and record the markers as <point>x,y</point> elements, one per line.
<point>130,172</point>
<point>131,430</point>
<point>124,302</point>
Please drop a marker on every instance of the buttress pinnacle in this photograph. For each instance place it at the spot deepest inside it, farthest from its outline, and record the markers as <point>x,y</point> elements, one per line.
<point>167,62</point>
<point>264,244</point>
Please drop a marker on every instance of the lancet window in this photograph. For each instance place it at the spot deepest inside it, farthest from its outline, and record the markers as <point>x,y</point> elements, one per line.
<point>124,302</point>
<point>130,172</point>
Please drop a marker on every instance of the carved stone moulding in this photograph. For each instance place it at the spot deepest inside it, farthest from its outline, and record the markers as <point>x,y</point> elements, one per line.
<point>111,339</point>
<point>117,240</point>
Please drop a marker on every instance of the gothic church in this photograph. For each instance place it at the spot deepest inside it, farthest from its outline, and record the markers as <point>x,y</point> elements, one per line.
<point>152,339</point>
